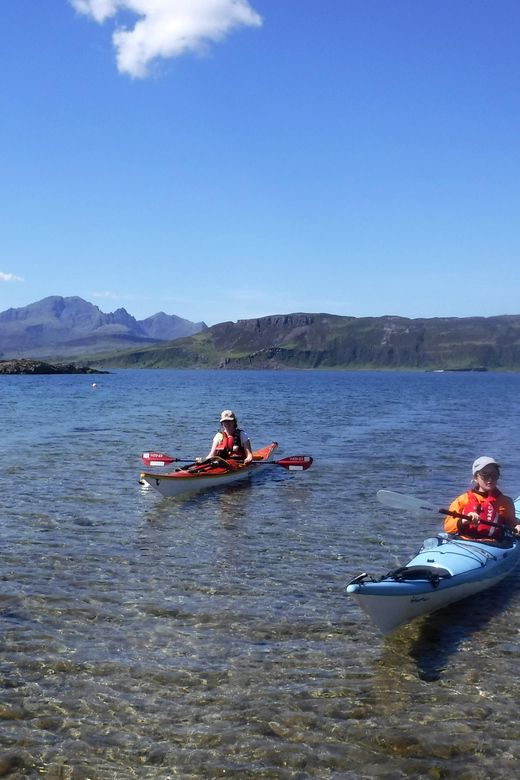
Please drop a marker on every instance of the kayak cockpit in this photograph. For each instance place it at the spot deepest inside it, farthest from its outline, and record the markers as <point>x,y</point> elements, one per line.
<point>430,574</point>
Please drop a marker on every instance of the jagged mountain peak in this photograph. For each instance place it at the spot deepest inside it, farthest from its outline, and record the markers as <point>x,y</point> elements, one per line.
<point>60,326</point>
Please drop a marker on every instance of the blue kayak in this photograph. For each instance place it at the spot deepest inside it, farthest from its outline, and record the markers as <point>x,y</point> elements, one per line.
<point>446,569</point>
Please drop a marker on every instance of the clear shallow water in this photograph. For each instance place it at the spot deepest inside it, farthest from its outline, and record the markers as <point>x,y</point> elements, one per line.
<point>210,636</point>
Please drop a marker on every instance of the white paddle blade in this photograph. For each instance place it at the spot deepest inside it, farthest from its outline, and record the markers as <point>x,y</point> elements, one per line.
<point>400,501</point>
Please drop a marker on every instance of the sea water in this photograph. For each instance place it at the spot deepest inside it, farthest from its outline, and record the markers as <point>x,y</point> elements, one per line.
<point>210,635</point>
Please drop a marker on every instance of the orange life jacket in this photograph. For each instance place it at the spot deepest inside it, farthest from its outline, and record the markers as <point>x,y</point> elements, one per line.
<point>230,447</point>
<point>487,511</point>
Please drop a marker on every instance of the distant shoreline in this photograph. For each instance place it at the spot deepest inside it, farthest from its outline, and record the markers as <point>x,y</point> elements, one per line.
<point>330,369</point>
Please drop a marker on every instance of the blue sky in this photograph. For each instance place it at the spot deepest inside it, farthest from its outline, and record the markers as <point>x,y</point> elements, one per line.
<point>224,160</point>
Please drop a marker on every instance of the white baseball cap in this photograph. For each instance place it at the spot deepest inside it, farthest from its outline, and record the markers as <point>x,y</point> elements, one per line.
<point>482,462</point>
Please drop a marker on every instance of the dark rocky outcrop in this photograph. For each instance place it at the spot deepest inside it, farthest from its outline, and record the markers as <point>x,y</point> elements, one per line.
<point>25,366</point>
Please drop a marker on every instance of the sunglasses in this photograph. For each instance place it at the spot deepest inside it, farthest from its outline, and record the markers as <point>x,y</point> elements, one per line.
<point>488,475</point>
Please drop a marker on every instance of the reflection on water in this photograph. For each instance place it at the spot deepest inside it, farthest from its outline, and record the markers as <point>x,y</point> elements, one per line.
<point>447,631</point>
<point>210,635</point>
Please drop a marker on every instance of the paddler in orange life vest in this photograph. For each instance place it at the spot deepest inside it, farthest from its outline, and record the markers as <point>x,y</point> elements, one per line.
<point>231,443</point>
<point>483,501</point>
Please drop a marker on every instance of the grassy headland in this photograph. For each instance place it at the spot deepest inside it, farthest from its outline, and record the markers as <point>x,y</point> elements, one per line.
<point>310,341</point>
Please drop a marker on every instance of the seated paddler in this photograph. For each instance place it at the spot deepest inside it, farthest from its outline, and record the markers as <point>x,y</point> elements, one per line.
<point>231,443</point>
<point>483,502</point>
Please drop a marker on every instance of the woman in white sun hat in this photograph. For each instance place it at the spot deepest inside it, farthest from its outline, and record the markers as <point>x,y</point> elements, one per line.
<point>483,501</point>
<point>231,443</point>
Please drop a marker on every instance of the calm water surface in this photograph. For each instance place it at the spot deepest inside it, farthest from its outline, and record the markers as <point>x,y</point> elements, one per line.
<point>210,636</point>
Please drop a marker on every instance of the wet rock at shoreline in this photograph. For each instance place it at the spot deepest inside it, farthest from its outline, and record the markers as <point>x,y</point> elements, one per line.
<point>26,366</point>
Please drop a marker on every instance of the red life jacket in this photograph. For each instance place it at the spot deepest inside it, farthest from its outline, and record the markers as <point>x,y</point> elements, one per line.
<point>230,447</point>
<point>487,511</point>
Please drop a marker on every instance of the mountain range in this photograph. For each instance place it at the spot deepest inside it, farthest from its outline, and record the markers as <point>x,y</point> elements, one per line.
<point>59,327</point>
<point>309,341</point>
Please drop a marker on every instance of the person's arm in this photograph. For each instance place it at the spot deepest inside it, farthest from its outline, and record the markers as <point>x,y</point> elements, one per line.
<point>246,445</point>
<point>506,510</point>
<point>454,525</point>
<point>214,445</point>
<point>249,452</point>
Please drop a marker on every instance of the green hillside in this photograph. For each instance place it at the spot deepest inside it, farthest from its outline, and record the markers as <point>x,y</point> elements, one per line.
<point>305,341</point>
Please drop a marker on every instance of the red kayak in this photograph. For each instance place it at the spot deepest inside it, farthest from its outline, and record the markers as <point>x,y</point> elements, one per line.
<point>212,473</point>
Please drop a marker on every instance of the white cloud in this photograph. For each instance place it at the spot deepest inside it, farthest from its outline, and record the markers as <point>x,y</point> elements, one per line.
<point>105,295</point>
<point>168,28</point>
<point>10,278</point>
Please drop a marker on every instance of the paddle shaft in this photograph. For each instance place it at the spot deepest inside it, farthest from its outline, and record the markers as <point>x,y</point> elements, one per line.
<point>293,463</point>
<point>467,517</point>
